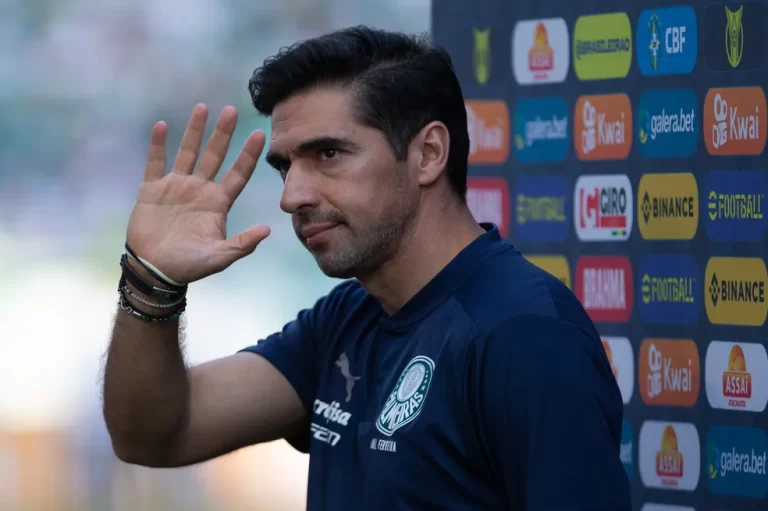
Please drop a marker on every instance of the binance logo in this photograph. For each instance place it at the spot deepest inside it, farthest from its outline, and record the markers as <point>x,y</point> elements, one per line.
<point>736,292</point>
<point>668,206</point>
<point>734,39</point>
<point>713,289</point>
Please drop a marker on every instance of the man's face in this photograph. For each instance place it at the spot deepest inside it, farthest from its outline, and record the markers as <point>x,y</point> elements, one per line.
<point>349,198</point>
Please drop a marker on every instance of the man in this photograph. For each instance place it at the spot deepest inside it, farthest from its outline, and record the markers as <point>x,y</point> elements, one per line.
<point>447,372</point>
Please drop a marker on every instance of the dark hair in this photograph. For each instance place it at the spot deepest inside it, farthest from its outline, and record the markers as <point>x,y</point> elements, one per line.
<point>401,84</point>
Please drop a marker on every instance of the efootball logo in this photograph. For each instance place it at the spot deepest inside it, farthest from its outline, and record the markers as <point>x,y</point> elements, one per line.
<point>407,398</point>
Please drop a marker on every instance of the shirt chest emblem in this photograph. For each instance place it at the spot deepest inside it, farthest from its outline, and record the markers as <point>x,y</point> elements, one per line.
<point>407,397</point>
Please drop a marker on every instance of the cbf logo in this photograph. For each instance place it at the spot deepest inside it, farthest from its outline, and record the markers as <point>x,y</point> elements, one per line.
<point>407,398</point>
<point>666,41</point>
<point>482,54</point>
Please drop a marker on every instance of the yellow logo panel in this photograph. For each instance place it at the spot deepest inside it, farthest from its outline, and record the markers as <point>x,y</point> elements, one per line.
<point>482,54</point>
<point>735,291</point>
<point>554,264</point>
<point>602,46</point>
<point>668,206</point>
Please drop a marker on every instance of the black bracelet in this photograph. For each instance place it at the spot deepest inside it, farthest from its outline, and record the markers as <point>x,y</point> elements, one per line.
<point>146,287</point>
<point>169,285</point>
<point>128,308</point>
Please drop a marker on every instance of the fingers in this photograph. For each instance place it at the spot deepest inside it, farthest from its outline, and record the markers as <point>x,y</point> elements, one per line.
<point>191,141</point>
<point>237,177</point>
<point>230,250</point>
<point>156,160</point>
<point>218,144</point>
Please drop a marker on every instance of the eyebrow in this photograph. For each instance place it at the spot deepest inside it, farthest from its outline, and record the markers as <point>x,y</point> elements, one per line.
<point>312,145</point>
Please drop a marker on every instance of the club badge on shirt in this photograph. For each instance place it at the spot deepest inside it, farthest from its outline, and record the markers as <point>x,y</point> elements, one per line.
<point>407,398</point>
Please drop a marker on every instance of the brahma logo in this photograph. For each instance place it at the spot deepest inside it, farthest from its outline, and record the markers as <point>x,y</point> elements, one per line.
<point>541,130</point>
<point>488,200</point>
<point>488,126</point>
<point>668,206</point>
<point>555,265</point>
<point>604,287</point>
<point>627,449</point>
<point>737,376</point>
<point>735,36</point>
<point>622,360</point>
<point>736,291</point>
<point>668,123</point>
<point>602,46</point>
<point>668,372</point>
<point>542,209</point>
<point>735,203</point>
<point>540,51</point>
<point>734,121</point>
<point>737,461</point>
<point>667,41</point>
<point>602,127</point>
<point>669,455</point>
<point>603,207</point>
<point>669,288</point>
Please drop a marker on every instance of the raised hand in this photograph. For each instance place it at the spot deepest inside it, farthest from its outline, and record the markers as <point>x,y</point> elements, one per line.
<point>179,221</point>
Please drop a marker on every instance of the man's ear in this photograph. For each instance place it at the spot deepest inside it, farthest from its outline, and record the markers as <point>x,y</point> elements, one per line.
<point>429,152</point>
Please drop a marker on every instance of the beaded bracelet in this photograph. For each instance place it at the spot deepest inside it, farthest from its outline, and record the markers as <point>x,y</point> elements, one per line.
<point>126,307</point>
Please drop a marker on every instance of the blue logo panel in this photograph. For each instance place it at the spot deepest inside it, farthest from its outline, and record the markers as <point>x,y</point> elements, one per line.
<point>542,133</point>
<point>542,208</point>
<point>627,448</point>
<point>669,289</point>
<point>735,203</point>
<point>668,123</point>
<point>667,41</point>
<point>736,461</point>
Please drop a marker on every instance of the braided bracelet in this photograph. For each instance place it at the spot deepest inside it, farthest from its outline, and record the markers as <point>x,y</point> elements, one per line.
<point>126,307</point>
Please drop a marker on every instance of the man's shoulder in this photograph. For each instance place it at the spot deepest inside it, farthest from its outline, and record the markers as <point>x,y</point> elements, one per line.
<point>344,305</point>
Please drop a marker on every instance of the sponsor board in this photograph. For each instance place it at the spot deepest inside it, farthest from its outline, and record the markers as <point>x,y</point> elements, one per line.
<point>669,456</point>
<point>668,206</point>
<point>602,46</point>
<point>555,265</point>
<point>489,131</point>
<point>604,287</point>
<point>627,449</point>
<point>734,36</point>
<point>735,292</point>
<point>603,207</point>
<point>735,206</point>
<point>488,200</point>
<point>622,360</point>
<point>737,376</point>
<point>668,372</point>
<point>540,52</point>
<point>541,130</point>
<point>735,121</point>
<point>542,208</point>
<point>602,127</point>
<point>669,289</point>
<point>668,123</point>
<point>737,461</point>
<point>667,41</point>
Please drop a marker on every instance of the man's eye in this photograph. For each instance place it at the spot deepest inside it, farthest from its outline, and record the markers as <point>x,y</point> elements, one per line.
<point>328,154</point>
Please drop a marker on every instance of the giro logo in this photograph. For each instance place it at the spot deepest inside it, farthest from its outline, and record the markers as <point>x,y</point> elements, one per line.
<point>619,353</point>
<point>668,372</point>
<point>669,455</point>
<point>735,36</point>
<point>488,200</point>
<point>542,208</point>
<point>540,51</point>
<point>602,46</point>
<point>735,121</point>
<point>541,131</point>
<point>602,127</point>
<point>735,293</point>
<point>603,208</point>
<point>670,289</point>
<point>555,265</point>
<point>604,287</point>
<point>737,461</point>
<point>489,131</point>
<point>668,123</point>
<point>737,376</point>
<point>735,206</point>
<point>668,206</point>
<point>667,41</point>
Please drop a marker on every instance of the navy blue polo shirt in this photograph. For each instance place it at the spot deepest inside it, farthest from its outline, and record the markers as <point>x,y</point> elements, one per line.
<point>489,389</point>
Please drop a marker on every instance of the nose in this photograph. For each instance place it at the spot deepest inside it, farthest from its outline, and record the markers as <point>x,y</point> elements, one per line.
<point>299,190</point>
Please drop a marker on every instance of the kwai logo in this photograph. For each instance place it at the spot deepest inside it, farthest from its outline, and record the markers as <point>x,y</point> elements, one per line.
<point>735,36</point>
<point>542,133</point>
<point>619,353</point>
<point>735,121</point>
<point>406,400</point>
<point>737,461</point>
<point>668,206</point>
<point>668,123</point>
<point>488,200</point>
<point>540,51</point>
<point>555,265</point>
<point>488,126</point>
<point>736,291</point>
<point>735,206</point>
<point>602,46</point>
<point>542,208</point>
<point>737,376</point>
<point>603,207</point>
<point>670,289</point>
<point>604,287</point>
<point>668,372</point>
<point>667,41</point>
<point>627,450</point>
<point>602,127</point>
<point>669,455</point>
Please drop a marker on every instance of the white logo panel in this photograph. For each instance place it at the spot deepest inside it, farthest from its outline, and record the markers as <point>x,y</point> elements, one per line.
<point>669,455</point>
<point>540,51</point>
<point>603,207</point>
<point>737,376</point>
<point>623,364</point>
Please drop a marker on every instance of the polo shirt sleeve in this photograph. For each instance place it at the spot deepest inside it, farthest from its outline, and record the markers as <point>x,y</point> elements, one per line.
<point>550,413</point>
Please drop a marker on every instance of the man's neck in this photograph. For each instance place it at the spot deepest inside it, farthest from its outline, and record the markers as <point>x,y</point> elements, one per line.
<point>430,246</point>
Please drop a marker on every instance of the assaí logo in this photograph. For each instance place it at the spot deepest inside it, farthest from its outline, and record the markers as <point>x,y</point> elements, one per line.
<point>626,452</point>
<point>737,461</point>
<point>488,200</point>
<point>668,372</point>
<point>735,292</point>
<point>604,287</point>
<point>602,46</point>
<point>669,455</point>
<point>735,206</point>
<point>622,360</point>
<point>602,127</point>
<point>668,123</point>
<point>542,208</point>
<point>541,131</point>
<point>488,127</point>
<point>669,288</point>
<point>555,265</point>
<point>737,376</point>
<point>540,51</point>
<point>735,121</point>
<point>668,206</point>
<point>603,207</point>
<point>667,41</point>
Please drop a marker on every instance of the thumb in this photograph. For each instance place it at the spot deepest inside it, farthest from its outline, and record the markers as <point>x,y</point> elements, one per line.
<point>236,247</point>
